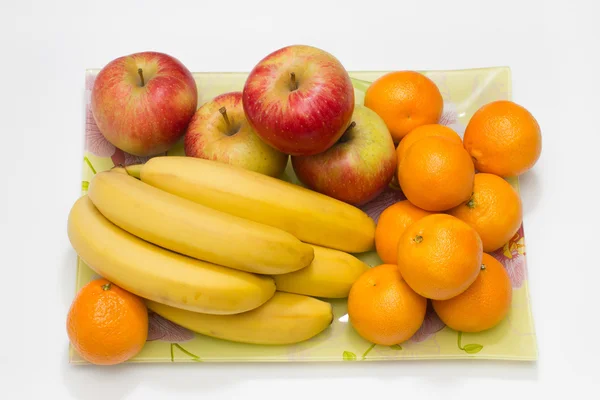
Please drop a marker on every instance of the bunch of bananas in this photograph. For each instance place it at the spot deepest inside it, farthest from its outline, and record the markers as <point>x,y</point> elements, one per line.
<point>221,250</point>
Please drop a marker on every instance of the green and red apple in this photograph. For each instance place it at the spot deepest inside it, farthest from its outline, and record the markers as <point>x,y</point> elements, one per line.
<point>358,167</point>
<point>143,102</point>
<point>219,131</point>
<point>299,99</point>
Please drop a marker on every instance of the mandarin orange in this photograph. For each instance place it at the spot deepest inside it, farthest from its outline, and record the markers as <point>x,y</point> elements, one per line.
<point>383,309</point>
<point>503,138</point>
<point>106,324</point>
<point>439,256</point>
<point>405,100</point>
<point>483,305</point>
<point>436,174</point>
<point>494,210</point>
<point>390,226</point>
<point>424,131</point>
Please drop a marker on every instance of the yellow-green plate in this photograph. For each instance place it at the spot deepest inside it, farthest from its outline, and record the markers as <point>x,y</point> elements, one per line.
<point>464,91</point>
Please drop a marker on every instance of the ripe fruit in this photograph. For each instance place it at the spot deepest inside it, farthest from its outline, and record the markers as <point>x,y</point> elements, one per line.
<point>299,99</point>
<point>132,170</point>
<point>424,131</point>
<point>436,174</point>
<point>154,273</point>
<point>483,305</point>
<point>439,256</point>
<point>383,309</point>
<point>219,131</point>
<point>494,210</point>
<point>106,324</point>
<point>310,216</point>
<point>143,102</point>
<point>358,167</point>
<point>503,138</point>
<point>285,319</point>
<point>392,223</point>
<point>405,100</point>
<point>330,275</point>
<point>192,229</point>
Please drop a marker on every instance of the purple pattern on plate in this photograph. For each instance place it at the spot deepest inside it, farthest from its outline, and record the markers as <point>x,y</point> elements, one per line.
<point>431,325</point>
<point>389,196</point>
<point>164,330</point>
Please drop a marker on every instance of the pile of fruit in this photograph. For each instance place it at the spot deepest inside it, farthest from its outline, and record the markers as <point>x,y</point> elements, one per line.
<point>218,242</point>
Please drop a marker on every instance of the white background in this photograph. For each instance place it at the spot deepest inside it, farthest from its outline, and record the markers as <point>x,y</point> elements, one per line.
<point>552,48</point>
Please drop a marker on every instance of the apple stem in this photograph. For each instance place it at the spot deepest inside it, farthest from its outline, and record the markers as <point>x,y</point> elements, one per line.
<point>223,112</point>
<point>349,128</point>
<point>294,85</point>
<point>141,73</point>
<point>345,137</point>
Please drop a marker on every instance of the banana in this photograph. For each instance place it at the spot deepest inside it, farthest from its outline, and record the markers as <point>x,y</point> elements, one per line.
<point>158,274</point>
<point>285,319</point>
<point>310,216</point>
<point>330,275</point>
<point>134,170</point>
<point>197,231</point>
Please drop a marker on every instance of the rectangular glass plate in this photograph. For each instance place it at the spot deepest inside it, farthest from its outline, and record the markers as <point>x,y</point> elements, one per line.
<point>464,91</point>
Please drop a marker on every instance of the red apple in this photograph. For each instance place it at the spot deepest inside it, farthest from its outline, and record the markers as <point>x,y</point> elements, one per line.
<point>299,99</point>
<point>143,102</point>
<point>358,167</point>
<point>219,131</point>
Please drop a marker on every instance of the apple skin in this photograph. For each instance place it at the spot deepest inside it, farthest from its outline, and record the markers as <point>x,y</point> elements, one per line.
<point>144,120</point>
<point>309,119</point>
<point>208,136</point>
<point>358,167</point>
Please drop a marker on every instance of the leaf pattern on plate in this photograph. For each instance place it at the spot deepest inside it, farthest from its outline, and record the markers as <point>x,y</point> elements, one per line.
<point>366,353</point>
<point>90,165</point>
<point>512,256</point>
<point>471,348</point>
<point>348,356</point>
<point>164,330</point>
<point>430,326</point>
<point>190,354</point>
